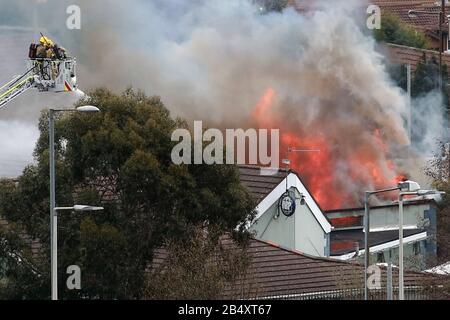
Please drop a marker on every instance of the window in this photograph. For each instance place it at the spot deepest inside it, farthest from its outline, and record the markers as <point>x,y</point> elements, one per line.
<point>380,257</point>
<point>416,248</point>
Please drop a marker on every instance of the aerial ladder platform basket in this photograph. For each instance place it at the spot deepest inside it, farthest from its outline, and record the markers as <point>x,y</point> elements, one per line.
<point>45,75</point>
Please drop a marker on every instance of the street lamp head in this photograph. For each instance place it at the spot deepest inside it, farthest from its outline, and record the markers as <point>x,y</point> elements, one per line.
<point>86,208</point>
<point>409,186</point>
<point>429,192</point>
<point>88,109</point>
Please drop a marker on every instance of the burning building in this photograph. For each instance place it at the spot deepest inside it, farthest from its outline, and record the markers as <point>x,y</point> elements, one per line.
<point>339,233</point>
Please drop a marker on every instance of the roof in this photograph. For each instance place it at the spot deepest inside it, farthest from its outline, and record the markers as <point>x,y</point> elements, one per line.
<point>268,185</point>
<point>390,205</point>
<point>344,241</point>
<point>279,272</point>
<point>260,185</point>
<point>427,22</point>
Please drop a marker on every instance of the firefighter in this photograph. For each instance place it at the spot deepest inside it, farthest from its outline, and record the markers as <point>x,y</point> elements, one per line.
<point>46,41</point>
<point>60,52</point>
<point>45,49</point>
<point>41,51</point>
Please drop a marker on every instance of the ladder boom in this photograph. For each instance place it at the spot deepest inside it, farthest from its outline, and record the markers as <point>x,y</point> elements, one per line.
<point>13,91</point>
<point>8,84</point>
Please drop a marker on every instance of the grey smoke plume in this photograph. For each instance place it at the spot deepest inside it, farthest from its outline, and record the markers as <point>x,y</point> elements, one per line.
<point>212,60</point>
<point>16,142</point>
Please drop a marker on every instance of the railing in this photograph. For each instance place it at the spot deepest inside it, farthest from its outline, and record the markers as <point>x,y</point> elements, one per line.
<point>411,293</point>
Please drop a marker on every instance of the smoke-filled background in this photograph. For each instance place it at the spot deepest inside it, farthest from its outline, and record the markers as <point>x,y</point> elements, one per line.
<point>317,76</point>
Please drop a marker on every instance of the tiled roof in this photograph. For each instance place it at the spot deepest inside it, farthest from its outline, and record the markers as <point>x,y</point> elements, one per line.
<point>258,184</point>
<point>35,245</point>
<point>279,272</point>
<point>427,22</point>
<point>424,21</point>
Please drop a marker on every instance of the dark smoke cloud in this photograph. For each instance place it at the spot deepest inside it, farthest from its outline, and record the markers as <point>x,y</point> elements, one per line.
<point>213,60</point>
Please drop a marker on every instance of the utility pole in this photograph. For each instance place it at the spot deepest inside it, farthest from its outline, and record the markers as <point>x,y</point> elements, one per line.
<point>408,75</point>
<point>441,43</point>
<point>390,295</point>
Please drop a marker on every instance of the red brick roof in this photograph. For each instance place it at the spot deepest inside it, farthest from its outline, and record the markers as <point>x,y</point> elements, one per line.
<point>280,272</point>
<point>427,22</point>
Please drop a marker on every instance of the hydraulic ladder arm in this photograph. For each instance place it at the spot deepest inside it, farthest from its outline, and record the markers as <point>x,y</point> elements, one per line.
<point>15,88</point>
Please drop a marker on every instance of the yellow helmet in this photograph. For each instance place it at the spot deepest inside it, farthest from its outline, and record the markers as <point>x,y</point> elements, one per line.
<point>45,40</point>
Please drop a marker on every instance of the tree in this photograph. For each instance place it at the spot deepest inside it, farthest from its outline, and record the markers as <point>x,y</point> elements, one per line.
<point>201,267</point>
<point>438,169</point>
<point>120,159</point>
<point>394,30</point>
<point>425,80</point>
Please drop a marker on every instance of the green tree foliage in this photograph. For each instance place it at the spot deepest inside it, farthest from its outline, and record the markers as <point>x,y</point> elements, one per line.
<point>438,169</point>
<point>398,73</point>
<point>394,30</point>
<point>120,159</point>
<point>425,80</point>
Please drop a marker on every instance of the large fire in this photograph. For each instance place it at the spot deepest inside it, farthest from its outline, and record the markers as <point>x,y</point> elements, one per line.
<point>319,167</point>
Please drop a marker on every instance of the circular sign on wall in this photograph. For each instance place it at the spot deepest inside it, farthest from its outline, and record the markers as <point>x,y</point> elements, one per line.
<point>287,204</point>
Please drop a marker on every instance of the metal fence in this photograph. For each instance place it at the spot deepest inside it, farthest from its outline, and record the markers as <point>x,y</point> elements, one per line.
<point>411,293</point>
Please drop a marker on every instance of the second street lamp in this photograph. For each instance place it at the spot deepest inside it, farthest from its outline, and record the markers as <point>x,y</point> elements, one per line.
<point>53,224</point>
<point>405,186</point>
<point>400,234</point>
<point>54,253</point>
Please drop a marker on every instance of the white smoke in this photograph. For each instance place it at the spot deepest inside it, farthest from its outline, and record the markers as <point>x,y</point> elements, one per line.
<point>17,140</point>
<point>213,59</point>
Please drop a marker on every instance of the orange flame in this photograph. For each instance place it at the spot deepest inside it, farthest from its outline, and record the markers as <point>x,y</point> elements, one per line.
<point>319,170</point>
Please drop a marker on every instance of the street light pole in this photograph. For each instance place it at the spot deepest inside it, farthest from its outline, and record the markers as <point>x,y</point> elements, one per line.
<point>441,44</point>
<point>55,239</point>
<point>366,242</point>
<point>53,216</point>
<point>401,295</point>
<point>402,186</point>
<point>367,196</point>
<point>417,192</point>
<point>53,213</point>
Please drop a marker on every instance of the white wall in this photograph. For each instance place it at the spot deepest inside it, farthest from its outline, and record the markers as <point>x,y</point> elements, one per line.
<point>301,231</point>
